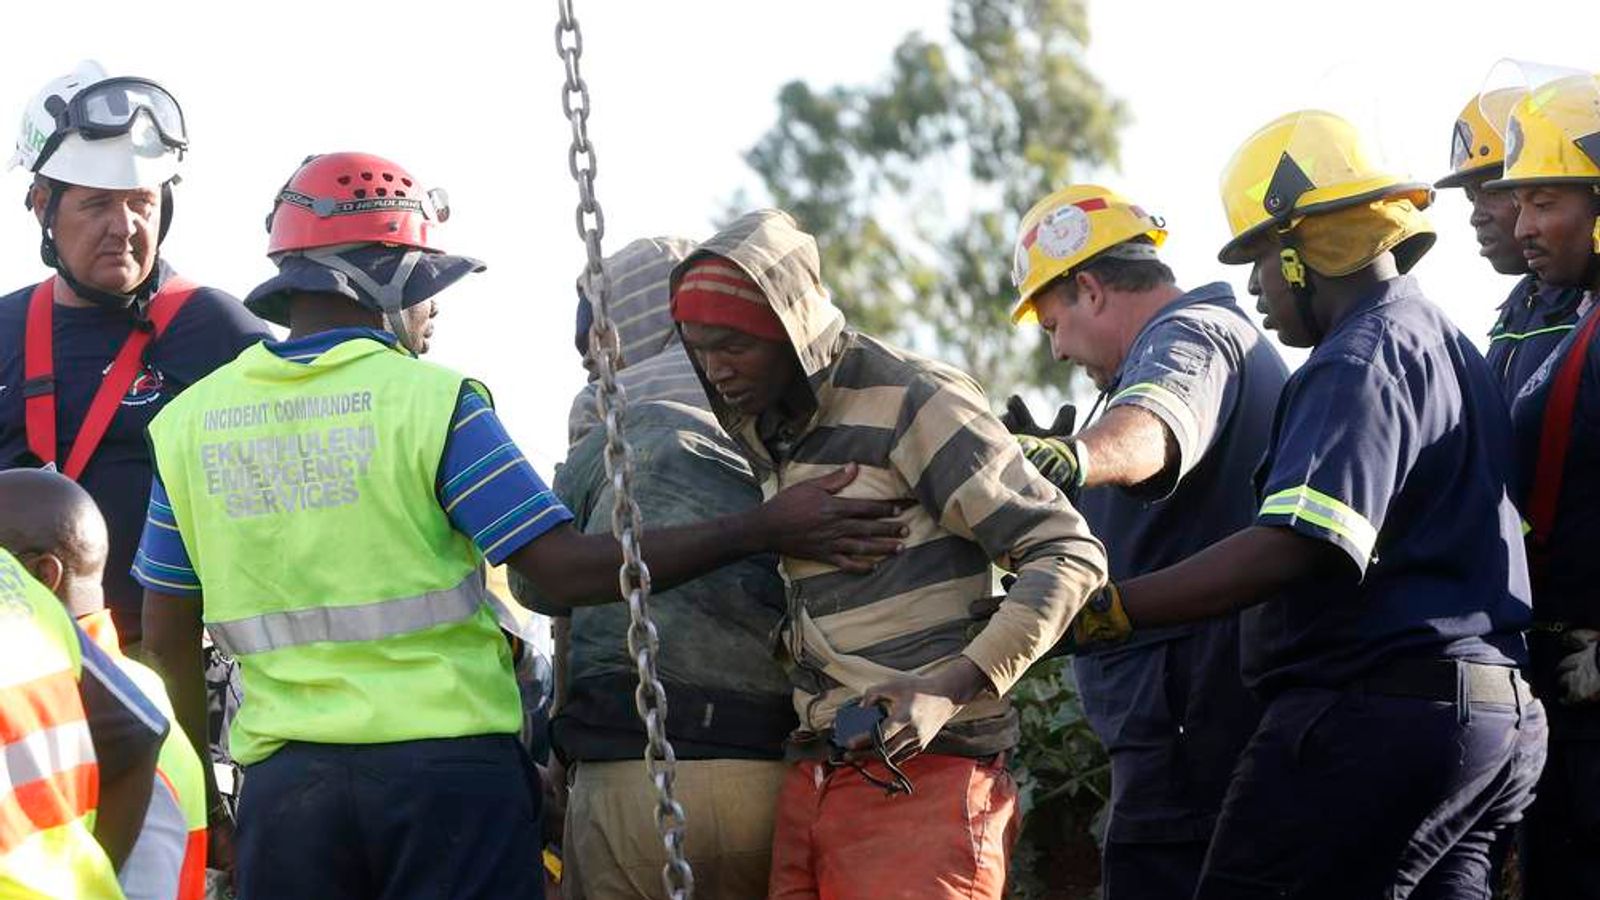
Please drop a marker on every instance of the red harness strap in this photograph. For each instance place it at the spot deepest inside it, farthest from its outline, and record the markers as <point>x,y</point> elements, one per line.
<point>1555,437</point>
<point>39,385</point>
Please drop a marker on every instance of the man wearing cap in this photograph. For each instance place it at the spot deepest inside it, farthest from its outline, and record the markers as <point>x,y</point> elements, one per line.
<point>1553,173</point>
<point>1536,315</point>
<point>1383,580</point>
<point>89,356</point>
<point>326,504</point>
<point>1163,473</point>
<point>897,784</point>
<point>729,708</point>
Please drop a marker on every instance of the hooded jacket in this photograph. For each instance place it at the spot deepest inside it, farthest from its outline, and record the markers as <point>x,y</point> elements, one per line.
<point>729,696</point>
<point>654,365</point>
<point>919,430</point>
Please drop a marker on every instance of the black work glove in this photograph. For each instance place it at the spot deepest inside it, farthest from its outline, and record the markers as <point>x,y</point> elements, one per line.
<point>1019,420</point>
<point>1049,449</point>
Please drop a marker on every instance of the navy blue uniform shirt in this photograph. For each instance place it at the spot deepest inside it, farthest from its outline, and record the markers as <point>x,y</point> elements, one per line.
<point>210,330</point>
<point>1570,580</point>
<point>1210,376</point>
<point>1393,444</point>
<point>1534,318</point>
<point>1169,703</point>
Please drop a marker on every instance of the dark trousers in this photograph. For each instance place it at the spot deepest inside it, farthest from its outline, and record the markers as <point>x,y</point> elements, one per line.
<point>442,819</point>
<point>1561,843</point>
<point>1150,871</point>
<point>1174,716</point>
<point>1353,795</point>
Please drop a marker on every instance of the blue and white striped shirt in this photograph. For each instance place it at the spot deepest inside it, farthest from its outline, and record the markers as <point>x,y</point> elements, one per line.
<point>485,485</point>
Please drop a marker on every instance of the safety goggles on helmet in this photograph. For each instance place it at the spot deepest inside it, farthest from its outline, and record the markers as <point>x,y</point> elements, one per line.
<point>108,108</point>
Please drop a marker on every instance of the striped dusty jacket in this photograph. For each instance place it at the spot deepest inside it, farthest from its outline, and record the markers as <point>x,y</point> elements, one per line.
<point>655,366</point>
<point>921,430</point>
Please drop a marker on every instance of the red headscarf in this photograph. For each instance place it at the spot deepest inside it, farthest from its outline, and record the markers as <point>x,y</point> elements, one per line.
<point>714,291</point>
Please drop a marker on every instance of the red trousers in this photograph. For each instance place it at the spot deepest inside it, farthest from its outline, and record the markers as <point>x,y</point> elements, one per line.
<point>840,837</point>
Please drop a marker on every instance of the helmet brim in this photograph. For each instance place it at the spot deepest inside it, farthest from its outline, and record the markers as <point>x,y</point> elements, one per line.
<point>304,275</point>
<point>1461,177</point>
<point>1506,184</point>
<point>1233,252</point>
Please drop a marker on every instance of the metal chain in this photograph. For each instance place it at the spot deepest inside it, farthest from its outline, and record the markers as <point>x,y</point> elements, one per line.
<point>650,699</point>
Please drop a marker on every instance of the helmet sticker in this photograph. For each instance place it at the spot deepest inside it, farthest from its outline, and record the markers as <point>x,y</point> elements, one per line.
<point>1019,261</point>
<point>1513,143</point>
<point>1063,232</point>
<point>1461,146</point>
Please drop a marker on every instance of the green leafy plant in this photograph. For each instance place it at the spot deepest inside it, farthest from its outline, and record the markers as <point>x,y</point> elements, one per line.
<point>914,185</point>
<point>1064,784</point>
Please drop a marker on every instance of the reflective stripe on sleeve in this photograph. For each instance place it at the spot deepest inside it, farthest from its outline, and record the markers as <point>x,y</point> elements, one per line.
<point>362,622</point>
<point>1165,399</point>
<point>1319,509</point>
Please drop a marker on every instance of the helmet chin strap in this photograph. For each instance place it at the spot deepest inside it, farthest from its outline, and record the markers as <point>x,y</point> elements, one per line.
<point>390,297</point>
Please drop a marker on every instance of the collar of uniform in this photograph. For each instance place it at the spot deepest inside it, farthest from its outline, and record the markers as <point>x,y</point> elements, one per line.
<point>306,349</point>
<point>1401,287</point>
<point>1557,304</point>
<point>1527,287</point>
<point>1217,292</point>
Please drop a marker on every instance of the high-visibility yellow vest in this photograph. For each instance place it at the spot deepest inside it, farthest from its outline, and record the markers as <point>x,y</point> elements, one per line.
<point>49,779</point>
<point>305,497</point>
<point>169,858</point>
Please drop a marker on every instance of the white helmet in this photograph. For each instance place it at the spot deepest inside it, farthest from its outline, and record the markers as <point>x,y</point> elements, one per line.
<point>89,129</point>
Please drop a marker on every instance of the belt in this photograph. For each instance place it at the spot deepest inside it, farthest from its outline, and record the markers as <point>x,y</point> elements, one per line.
<point>1443,679</point>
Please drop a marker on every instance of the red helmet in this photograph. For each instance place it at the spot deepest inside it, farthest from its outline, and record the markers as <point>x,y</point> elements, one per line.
<point>353,198</point>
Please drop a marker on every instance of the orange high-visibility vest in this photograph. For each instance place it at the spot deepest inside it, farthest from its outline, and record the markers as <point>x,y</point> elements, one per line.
<point>49,779</point>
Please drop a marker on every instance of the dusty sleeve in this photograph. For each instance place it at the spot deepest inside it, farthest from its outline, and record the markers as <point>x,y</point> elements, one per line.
<point>969,473</point>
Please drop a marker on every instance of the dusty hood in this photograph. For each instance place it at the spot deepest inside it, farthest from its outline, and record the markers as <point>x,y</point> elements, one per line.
<point>640,297</point>
<point>654,363</point>
<point>770,247</point>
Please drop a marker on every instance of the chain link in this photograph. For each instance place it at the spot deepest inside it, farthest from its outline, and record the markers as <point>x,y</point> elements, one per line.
<point>650,699</point>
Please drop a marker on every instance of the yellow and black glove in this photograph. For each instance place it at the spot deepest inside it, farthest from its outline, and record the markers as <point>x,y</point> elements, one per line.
<point>1051,450</point>
<point>1058,459</point>
<point>1102,620</point>
<point>1101,623</point>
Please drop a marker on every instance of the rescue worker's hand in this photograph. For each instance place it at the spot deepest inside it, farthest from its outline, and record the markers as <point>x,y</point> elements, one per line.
<point>1102,621</point>
<point>1057,460</point>
<point>1019,420</point>
<point>553,781</point>
<point>918,706</point>
<point>219,842</point>
<point>807,521</point>
<point>1579,671</point>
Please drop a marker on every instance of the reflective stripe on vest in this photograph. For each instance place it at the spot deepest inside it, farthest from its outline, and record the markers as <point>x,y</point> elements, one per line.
<point>305,494</point>
<point>169,858</point>
<point>45,754</point>
<point>155,867</point>
<point>363,622</point>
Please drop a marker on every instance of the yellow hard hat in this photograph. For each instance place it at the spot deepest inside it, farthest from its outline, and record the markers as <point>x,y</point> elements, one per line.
<point>1299,165</point>
<point>1071,227</point>
<point>1553,134</point>
<point>1476,147</point>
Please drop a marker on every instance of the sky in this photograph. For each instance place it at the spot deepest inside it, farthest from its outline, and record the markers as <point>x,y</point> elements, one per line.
<point>467,97</point>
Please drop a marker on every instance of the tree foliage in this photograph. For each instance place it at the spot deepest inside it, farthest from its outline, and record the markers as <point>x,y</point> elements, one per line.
<point>914,185</point>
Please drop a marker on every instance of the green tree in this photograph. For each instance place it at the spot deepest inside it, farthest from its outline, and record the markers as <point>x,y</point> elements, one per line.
<point>914,185</point>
